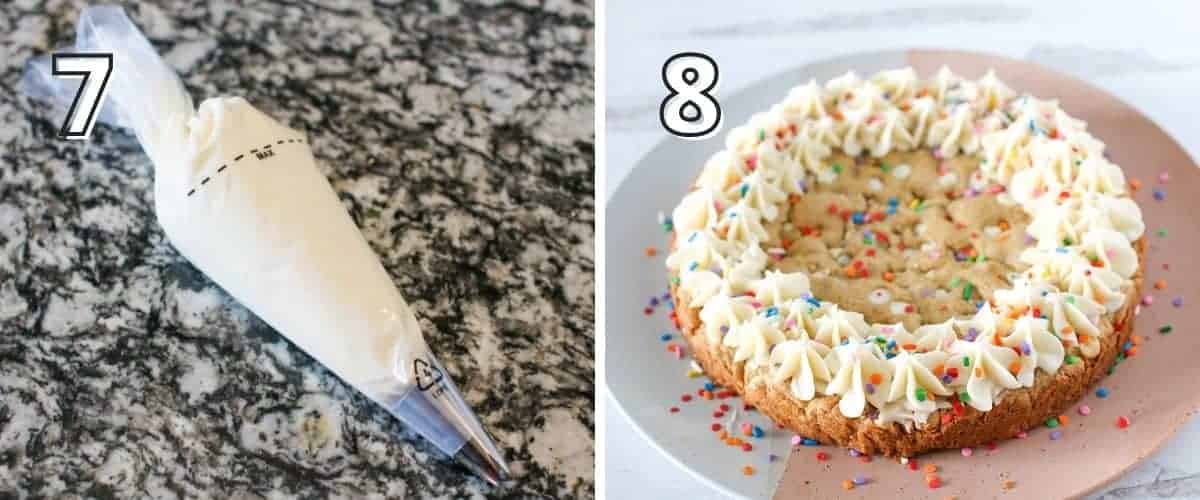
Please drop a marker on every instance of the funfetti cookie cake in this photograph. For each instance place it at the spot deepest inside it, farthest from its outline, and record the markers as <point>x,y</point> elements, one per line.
<point>898,265</point>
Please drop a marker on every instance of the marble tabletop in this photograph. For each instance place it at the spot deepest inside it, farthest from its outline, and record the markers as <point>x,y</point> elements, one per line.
<point>1139,55</point>
<point>459,136</point>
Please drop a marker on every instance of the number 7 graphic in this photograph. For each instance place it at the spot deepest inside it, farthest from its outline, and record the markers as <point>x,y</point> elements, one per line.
<point>94,69</point>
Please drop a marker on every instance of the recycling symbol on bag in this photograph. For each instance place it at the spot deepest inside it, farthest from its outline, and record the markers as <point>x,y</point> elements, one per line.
<point>427,374</point>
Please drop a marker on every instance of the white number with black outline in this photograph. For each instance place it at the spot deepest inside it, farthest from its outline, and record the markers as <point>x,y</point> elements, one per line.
<point>94,69</point>
<point>690,111</point>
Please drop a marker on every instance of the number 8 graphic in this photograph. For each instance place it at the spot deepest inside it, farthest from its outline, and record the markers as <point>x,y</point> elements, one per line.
<point>690,111</point>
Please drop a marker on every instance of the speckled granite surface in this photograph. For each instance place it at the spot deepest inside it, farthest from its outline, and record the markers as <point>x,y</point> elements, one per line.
<point>460,138</point>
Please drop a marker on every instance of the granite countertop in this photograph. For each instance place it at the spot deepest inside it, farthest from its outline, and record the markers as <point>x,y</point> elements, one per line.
<point>1136,54</point>
<point>459,136</point>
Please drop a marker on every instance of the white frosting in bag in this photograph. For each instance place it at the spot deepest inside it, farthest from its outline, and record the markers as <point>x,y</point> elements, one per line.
<point>263,222</point>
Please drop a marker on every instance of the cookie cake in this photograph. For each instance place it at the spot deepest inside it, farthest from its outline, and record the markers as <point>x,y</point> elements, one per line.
<point>897,264</point>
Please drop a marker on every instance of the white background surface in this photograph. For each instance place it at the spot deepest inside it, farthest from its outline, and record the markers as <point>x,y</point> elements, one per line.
<point>1143,52</point>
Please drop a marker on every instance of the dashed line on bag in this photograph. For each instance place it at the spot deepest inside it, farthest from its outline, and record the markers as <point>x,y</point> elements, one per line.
<point>265,152</point>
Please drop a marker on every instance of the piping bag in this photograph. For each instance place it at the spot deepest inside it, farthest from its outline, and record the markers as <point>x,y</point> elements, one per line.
<point>240,196</point>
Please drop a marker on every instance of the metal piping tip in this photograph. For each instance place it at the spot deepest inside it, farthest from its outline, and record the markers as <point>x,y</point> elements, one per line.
<point>436,410</point>
<point>491,468</point>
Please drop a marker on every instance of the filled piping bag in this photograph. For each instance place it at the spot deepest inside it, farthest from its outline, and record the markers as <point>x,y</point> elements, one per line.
<point>240,196</point>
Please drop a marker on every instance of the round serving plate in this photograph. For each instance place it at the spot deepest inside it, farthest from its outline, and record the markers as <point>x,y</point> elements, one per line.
<point>646,380</point>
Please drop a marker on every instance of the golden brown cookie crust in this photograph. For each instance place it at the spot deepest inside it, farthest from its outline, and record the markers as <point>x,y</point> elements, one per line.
<point>820,419</point>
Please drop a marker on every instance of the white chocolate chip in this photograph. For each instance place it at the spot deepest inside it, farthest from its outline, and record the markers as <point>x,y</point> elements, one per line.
<point>991,231</point>
<point>902,171</point>
<point>827,176</point>
<point>948,180</point>
<point>879,296</point>
<point>875,184</point>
